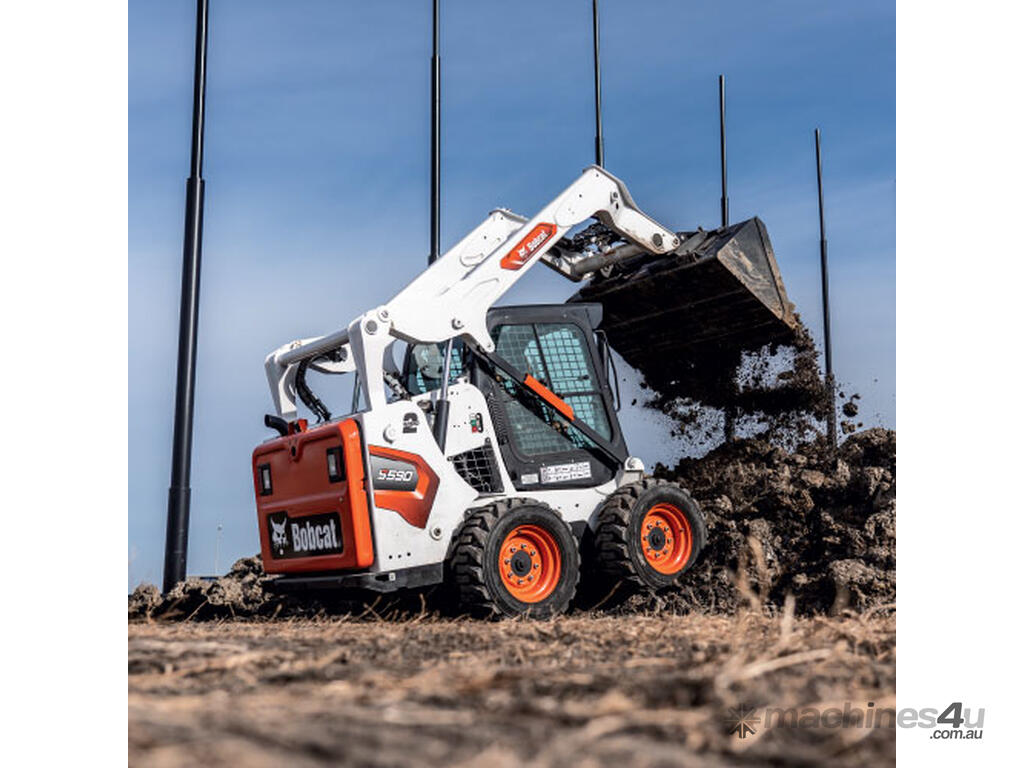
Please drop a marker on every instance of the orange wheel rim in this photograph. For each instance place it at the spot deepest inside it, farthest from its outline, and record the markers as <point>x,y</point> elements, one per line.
<point>666,538</point>
<point>531,563</point>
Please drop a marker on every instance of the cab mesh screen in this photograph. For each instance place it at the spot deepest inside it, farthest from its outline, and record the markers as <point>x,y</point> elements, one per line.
<point>556,354</point>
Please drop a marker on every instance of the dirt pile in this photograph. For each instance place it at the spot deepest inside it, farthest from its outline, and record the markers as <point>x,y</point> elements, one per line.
<point>805,523</point>
<point>239,593</point>
<point>243,593</point>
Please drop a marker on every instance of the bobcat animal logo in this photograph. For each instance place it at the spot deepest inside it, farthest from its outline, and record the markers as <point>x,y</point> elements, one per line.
<point>280,534</point>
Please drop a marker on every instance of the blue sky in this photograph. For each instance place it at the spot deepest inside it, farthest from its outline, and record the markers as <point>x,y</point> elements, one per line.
<point>317,179</point>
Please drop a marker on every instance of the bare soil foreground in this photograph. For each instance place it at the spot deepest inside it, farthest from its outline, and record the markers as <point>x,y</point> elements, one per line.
<point>583,690</point>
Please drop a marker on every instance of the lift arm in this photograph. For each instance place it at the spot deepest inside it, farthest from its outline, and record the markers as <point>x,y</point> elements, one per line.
<point>451,297</point>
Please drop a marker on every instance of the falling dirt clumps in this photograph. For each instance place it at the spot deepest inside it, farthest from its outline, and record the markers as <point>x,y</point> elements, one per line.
<point>778,389</point>
<point>818,526</point>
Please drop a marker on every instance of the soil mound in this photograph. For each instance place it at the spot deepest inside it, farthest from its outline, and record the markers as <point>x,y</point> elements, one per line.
<point>239,593</point>
<point>802,522</point>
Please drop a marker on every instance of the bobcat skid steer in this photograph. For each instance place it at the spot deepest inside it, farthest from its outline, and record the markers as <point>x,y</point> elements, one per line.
<point>491,452</point>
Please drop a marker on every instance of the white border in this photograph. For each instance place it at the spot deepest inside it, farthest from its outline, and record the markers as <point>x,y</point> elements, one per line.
<point>959,284</point>
<point>64,139</point>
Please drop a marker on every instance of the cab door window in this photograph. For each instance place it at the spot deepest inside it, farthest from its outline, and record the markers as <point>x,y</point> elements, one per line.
<point>558,356</point>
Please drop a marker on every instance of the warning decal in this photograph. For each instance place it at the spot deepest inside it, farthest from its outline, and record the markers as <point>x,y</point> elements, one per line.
<point>560,473</point>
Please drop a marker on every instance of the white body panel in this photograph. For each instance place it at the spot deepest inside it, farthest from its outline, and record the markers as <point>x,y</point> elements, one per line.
<point>398,544</point>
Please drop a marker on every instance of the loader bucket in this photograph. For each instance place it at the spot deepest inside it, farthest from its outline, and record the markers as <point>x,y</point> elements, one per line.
<point>683,319</point>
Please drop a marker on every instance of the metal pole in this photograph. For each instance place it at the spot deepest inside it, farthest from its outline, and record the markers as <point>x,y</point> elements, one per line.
<point>830,382</point>
<point>435,143</point>
<point>441,405</point>
<point>721,139</point>
<point>179,495</point>
<point>598,135</point>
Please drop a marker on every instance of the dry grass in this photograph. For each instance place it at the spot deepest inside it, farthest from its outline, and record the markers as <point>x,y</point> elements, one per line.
<point>578,691</point>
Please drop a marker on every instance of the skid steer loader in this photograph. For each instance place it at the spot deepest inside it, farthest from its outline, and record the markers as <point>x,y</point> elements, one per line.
<point>490,457</point>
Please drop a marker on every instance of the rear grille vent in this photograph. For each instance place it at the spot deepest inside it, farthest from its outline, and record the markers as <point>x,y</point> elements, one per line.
<point>477,468</point>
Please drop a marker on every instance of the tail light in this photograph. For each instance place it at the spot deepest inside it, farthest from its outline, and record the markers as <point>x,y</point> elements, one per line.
<point>335,465</point>
<point>266,486</point>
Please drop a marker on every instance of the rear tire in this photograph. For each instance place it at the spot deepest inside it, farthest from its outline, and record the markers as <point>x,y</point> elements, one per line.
<point>515,558</point>
<point>648,535</point>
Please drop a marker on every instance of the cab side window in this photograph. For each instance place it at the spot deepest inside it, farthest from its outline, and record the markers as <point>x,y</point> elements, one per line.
<point>424,364</point>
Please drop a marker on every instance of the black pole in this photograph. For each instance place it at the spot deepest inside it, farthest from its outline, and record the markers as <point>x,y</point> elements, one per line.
<point>441,405</point>
<point>598,135</point>
<point>830,382</point>
<point>179,496</point>
<point>435,144</point>
<point>721,141</point>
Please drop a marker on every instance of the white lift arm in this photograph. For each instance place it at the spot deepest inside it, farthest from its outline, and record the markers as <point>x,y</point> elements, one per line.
<point>452,296</point>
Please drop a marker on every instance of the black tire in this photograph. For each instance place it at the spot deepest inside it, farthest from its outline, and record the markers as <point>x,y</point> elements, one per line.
<point>619,541</point>
<point>477,558</point>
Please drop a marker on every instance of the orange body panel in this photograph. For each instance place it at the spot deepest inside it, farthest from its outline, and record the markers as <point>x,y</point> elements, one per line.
<point>413,505</point>
<point>302,488</point>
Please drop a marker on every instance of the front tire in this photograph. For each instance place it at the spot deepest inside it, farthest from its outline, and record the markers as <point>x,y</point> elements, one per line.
<point>515,558</point>
<point>648,535</point>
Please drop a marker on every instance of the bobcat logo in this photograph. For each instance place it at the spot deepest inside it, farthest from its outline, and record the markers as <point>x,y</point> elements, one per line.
<point>528,246</point>
<point>280,534</point>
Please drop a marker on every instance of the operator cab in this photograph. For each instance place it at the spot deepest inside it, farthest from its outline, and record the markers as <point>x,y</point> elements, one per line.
<point>558,346</point>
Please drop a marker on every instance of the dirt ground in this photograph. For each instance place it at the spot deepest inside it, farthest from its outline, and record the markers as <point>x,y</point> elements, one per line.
<point>585,690</point>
